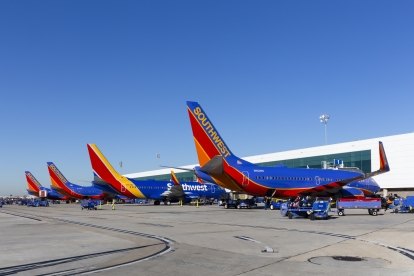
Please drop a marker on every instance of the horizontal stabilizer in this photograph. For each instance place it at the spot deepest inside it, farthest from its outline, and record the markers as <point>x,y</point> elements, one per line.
<point>214,166</point>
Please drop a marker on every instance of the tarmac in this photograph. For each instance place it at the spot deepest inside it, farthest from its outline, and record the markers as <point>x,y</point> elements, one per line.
<point>207,240</point>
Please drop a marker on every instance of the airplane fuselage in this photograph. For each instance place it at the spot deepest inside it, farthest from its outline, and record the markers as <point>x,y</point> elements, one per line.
<point>289,182</point>
<point>159,190</point>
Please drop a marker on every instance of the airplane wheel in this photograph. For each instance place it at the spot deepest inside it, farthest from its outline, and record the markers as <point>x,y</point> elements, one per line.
<point>341,213</point>
<point>290,216</point>
<point>271,207</point>
<point>312,216</point>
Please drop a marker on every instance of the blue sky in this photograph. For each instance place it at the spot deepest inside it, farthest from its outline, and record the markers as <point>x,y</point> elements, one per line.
<point>118,73</point>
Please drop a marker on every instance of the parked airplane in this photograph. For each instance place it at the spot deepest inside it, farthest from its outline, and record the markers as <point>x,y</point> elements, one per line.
<point>236,174</point>
<point>36,189</point>
<point>149,189</point>
<point>61,184</point>
<point>202,190</point>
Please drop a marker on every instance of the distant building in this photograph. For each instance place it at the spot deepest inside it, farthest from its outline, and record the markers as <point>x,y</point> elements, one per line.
<point>362,154</point>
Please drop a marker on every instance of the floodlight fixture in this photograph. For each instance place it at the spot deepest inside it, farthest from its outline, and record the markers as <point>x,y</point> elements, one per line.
<point>324,120</point>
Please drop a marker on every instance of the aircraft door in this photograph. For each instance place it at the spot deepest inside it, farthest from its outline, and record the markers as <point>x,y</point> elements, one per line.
<point>123,189</point>
<point>245,181</point>
<point>317,180</point>
<point>213,189</point>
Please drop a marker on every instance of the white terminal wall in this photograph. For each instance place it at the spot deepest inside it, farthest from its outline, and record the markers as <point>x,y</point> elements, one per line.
<point>398,148</point>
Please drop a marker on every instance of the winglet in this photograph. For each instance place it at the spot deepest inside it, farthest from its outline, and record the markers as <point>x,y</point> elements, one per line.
<point>200,180</point>
<point>174,179</point>
<point>384,166</point>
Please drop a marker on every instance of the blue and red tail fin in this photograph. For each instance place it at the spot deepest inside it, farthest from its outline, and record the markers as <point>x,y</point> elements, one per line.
<point>212,151</point>
<point>208,141</point>
<point>57,179</point>
<point>104,170</point>
<point>33,185</point>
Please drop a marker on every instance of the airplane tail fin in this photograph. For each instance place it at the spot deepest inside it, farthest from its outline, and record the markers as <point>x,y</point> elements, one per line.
<point>33,185</point>
<point>104,170</point>
<point>56,177</point>
<point>208,141</point>
<point>101,166</point>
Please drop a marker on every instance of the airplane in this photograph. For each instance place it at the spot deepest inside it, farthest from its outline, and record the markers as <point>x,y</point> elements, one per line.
<point>61,184</point>
<point>206,190</point>
<point>236,174</point>
<point>36,189</point>
<point>157,190</point>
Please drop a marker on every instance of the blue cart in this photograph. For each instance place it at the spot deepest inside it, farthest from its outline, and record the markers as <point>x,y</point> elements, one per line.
<point>406,206</point>
<point>319,209</point>
<point>89,204</point>
<point>373,205</point>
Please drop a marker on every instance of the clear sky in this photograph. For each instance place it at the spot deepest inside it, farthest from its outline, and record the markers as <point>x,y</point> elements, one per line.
<point>118,74</point>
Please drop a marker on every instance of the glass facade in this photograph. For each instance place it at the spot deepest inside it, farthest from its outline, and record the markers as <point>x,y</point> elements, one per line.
<point>358,159</point>
<point>183,176</point>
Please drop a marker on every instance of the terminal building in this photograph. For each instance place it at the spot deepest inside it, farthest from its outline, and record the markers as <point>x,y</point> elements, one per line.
<point>362,154</point>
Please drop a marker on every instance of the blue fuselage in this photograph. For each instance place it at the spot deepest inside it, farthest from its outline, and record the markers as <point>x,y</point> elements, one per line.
<point>286,182</point>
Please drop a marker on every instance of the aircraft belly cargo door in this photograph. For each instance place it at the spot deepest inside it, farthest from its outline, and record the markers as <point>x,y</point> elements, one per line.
<point>245,181</point>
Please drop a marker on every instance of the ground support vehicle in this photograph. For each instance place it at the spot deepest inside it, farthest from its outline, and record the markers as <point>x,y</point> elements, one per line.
<point>276,205</point>
<point>406,206</point>
<point>284,208</point>
<point>89,204</point>
<point>231,203</point>
<point>320,209</point>
<point>294,212</point>
<point>244,204</point>
<point>373,205</point>
<point>38,203</point>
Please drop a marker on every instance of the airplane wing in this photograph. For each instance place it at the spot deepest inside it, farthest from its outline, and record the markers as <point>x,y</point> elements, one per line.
<point>176,191</point>
<point>334,187</point>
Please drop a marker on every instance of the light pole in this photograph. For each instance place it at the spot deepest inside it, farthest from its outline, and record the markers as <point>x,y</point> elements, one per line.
<point>324,120</point>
